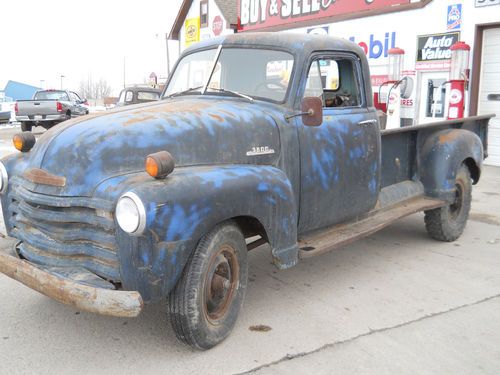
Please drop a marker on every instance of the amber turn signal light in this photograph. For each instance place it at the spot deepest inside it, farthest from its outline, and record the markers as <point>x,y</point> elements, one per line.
<point>160,164</point>
<point>24,141</point>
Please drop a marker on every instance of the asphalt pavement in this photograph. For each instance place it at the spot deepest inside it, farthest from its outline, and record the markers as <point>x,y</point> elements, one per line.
<point>395,302</point>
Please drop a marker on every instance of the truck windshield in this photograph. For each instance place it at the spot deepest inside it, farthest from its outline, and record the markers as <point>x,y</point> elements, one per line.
<point>51,95</point>
<point>258,73</point>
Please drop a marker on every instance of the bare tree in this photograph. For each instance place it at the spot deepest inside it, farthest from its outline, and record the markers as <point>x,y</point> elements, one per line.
<point>94,90</point>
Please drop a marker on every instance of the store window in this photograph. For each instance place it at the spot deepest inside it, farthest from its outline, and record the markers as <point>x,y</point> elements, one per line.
<point>334,81</point>
<point>204,13</point>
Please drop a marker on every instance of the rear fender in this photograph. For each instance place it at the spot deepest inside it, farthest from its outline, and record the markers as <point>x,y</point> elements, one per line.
<point>193,200</point>
<point>440,155</point>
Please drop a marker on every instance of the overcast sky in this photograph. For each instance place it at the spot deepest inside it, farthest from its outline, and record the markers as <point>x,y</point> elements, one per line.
<point>44,39</point>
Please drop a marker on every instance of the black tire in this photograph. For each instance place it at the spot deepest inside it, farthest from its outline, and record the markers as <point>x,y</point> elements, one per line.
<point>448,223</point>
<point>205,303</point>
<point>26,127</point>
<point>68,115</point>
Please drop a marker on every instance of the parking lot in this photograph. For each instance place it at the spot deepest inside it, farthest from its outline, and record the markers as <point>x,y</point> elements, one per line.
<point>395,302</point>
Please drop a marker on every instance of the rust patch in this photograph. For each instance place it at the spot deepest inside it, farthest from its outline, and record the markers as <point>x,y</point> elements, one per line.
<point>260,328</point>
<point>139,119</point>
<point>174,107</point>
<point>217,117</point>
<point>39,176</point>
<point>448,137</point>
<point>228,113</point>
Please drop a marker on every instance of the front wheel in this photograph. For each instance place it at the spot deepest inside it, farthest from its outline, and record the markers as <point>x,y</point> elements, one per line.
<point>205,303</point>
<point>26,126</point>
<point>448,223</point>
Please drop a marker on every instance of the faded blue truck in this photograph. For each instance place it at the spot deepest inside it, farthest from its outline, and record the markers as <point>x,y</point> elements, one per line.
<point>258,139</point>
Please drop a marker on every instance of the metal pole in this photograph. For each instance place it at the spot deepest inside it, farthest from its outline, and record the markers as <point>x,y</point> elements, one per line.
<point>124,71</point>
<point>168,56</point>
<point>62,81</point>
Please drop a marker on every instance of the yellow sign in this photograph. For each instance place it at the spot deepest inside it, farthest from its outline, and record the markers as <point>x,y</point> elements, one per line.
<point>192,31</point>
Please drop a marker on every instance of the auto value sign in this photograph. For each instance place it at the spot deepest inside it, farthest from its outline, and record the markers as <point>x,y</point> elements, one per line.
<point>266,14</point>
<point>433,51</point>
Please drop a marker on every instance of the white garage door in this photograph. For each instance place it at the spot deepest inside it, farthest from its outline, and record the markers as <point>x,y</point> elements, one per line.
<point>489,91</point>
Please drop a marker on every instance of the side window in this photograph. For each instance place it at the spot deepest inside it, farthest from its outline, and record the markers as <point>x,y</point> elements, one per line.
<point>122,97</point>
<point>147,95</point>
<point>204,13</point>
<point>334,81</point>
<point>129,96</point>
<point>74,97</point>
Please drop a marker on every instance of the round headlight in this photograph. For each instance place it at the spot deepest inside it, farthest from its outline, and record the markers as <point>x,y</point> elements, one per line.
<point>130,213</point>
<point>4,178</point>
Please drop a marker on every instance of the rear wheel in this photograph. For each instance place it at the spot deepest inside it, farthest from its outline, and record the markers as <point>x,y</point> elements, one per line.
<point>205,303</point>
<point>26,126</point>
<point>448,223</point>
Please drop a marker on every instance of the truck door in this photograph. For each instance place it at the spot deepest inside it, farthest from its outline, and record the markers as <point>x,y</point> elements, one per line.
<point>340,159</point>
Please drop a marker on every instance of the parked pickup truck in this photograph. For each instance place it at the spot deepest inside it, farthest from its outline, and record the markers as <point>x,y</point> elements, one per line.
<point>137,94</point>
<point>258,139</point>
<point>49,107</point>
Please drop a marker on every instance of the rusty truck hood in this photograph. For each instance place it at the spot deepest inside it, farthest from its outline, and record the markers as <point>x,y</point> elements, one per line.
<point>195,130</point>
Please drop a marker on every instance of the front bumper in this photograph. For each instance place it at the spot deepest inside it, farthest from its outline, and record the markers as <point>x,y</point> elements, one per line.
<point>126,304</point>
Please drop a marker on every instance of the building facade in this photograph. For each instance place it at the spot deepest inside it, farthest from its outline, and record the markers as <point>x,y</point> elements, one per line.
<point>425,29</point>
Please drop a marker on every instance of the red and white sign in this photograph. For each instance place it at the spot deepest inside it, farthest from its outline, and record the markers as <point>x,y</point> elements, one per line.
<point>263,14</point>
<point>217,25</point>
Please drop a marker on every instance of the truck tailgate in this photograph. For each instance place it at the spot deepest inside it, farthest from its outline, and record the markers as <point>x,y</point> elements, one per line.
<point>37,107</point>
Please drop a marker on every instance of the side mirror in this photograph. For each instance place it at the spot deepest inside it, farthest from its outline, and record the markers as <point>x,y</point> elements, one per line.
<point>312,111</point>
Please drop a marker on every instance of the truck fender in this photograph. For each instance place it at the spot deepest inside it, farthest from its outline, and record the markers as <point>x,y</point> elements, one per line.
<point>192,201</point>
<point>441,153</point>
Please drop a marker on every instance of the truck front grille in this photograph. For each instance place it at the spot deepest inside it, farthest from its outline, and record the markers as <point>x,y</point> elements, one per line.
<point>65,232</point>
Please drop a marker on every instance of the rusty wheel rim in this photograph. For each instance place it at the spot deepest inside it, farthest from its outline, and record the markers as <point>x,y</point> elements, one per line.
<point>221,282</point>
<point>456,206</point>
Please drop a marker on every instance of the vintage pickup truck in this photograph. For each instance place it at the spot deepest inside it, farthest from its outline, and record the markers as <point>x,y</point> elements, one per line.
<point>258,139</point>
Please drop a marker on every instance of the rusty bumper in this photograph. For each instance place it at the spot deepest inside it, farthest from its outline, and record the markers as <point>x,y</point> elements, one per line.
<point>127,304</point>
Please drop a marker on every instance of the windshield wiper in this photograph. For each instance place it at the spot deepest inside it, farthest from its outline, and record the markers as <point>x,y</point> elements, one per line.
<point>236,93</point>
<point>184,91</point>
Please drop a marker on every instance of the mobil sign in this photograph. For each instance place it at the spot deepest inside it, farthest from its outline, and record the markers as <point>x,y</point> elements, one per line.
<point>282,14</point>
<point>376,45</point>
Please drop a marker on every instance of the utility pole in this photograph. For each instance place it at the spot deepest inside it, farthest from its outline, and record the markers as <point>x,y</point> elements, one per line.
<point>168,55</point>
<point>62,81</point>
<point>124,58</point>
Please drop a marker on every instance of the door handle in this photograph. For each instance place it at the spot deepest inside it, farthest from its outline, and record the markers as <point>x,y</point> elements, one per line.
<point>494,97</point>
<point>367,123</point>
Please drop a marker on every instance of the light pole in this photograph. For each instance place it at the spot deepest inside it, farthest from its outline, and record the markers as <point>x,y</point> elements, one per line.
<point>62,81</point>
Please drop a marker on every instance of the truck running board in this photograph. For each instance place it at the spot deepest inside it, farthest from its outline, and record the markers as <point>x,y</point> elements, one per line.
<point>322,241</point>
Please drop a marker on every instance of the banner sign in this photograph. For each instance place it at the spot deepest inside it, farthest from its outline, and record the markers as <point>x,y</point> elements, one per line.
<point>454,17</point>
<point>261,14</point>
<point>485,3</point>
<point>435,49</point>
<point>192,31</point>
